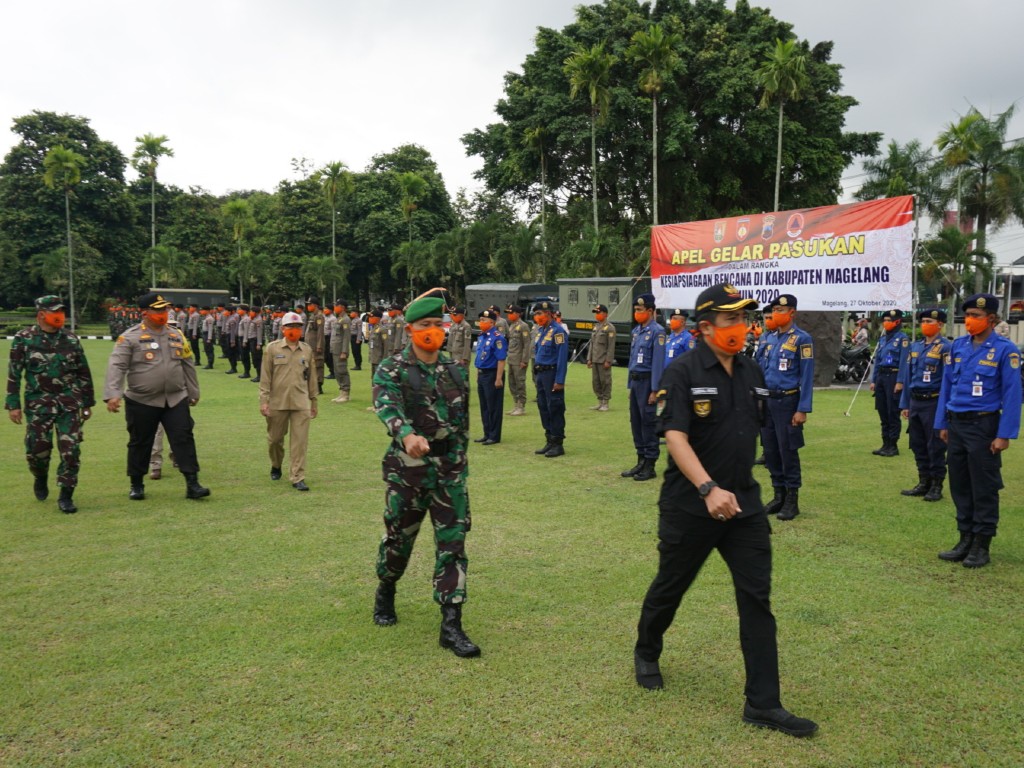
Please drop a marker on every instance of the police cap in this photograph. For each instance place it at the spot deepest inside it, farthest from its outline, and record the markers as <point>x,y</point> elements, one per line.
<point>488,314</point>
<point>984,301</point>
<point>514,308</point>
<point>152,301</point>
<point>543,306</point>
<point>786,300</point>
<point>932,314</point>
<point>644,301</point>
<point>429,307</point>
<point>896,315</point>
<point>722,297</point>
<point>600,308</point>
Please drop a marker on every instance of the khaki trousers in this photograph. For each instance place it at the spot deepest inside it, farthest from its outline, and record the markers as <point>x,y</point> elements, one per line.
<point>341,374</point>
<point>517,383</point>
<point>601,379</point>
<point>295,424</point>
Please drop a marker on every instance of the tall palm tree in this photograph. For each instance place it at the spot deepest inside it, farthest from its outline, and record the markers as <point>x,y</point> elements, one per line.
<point>239,216</point>
<point>172,266</point>
<point>656,50</point>
<point>783,76</point>
<point>590,70</point>
<point>318,271</point>
<point>906,170</point>
<point>533,138</point>
<point>253,270</point>
<point>145,159</point>
<point>413,187</point>
<point>947,261</point>
<point>337,182</point>
<point>62,168</point>
<point>987,171</point>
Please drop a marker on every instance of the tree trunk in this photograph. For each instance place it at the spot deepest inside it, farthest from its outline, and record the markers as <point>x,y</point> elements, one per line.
<point>654,169</point>
<point>71,264</point>
<point>543,215</point>
<point>778,160</point>
<point>979,259</point>
<point>593,165</point>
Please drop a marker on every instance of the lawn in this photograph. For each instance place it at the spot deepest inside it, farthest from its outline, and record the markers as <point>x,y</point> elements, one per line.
<point>236,631</point>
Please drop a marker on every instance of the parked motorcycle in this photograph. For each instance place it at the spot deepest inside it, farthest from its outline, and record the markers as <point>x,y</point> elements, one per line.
<point>853,363</point>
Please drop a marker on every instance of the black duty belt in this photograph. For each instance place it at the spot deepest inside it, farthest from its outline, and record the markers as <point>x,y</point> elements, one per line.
<point>783,392</point>
<point>639,375</point>
<point>968,415</point>
<point>924,395</point>
<point>542,368</point>
<point>887,369</point>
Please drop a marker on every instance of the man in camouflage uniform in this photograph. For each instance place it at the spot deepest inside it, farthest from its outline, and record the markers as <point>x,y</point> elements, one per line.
<point>58,396</point>
<point>422,398</point>
<point>600,356</point>
<point>520,350</point>
<point>460,338</point>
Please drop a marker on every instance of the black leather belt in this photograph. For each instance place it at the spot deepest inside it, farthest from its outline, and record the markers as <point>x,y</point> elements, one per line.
<point>783,392</point>
<point>924,395</point>
<point>888,370</point>
<point>639,375</point>
<point>969,415</point>
<point>540,368</point>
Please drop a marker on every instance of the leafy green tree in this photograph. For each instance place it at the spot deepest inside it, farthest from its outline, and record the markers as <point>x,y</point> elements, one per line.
<point>148,151</point>
<point>239,217</point>
<point>903,170</point>
<point>534,138</point>
<point>252,270</point>
<point>49,269</point>
<point>171,266</point>
<point>783,76</point>
<point>589,70</point>
<point>985,172</point>
<point>194,224</point>
<point>656,51</point>
<point>947,262</point>
<point>337,183</point>
<point>320,271</point>
<point>63,170</point>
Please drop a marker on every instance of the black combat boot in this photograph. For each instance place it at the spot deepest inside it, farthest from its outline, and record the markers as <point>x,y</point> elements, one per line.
<point>878,451</point>
<point>547,446</point>
<point>924,484</point>
<point>960,549</point>
<point>934,490</point>
<point>978,556</point>
<point>777,501</point>
<point>633,470</point>
<point>889,449</point>
<point>41,488</point>
<point>556,448</point>
<point>791,506</point>
<point>138,490</point>
<point>193,490</point>
<point>384,605</point>
<point>646,471</point>
<point>64,503</point>
<point>452,635</point>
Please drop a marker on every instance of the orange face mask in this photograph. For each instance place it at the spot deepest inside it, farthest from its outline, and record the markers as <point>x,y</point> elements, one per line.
<point>601,316</point>
<point>292,334</point>
<point>975,325</point>
<point>731,339</point>
<point>428,339</point>
<point>373,320</point>
<point>641,316</point>
<point>889,325</point>
<point>676,324</point>
<point>458,318</point>
<point>311,307</point>
<point>252,315</point>
<point>930,329</point>
<point>353,315</point>
<point>769,322</point>
<point>513,317</point>
<point>328,311</point>
<point>541,319</point>
<point>157,319</point>
<point>54,319</point>
<point>392,313</point>
<point>485,325</point>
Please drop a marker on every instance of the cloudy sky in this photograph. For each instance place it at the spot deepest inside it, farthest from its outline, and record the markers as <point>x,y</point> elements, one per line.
<point>241,87</point>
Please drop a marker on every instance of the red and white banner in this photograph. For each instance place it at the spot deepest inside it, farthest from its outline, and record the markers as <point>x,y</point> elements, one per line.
<point>854,257</point>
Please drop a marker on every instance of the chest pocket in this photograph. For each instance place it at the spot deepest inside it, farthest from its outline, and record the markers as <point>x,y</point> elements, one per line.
<point>705,405</point>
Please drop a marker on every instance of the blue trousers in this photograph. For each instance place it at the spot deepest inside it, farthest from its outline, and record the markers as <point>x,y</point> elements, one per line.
<point>929,450</point>
<point>887,403</point>
<point>975,476</point>
<point>551,405</point>
<point>643,418</point>
<point>782,442</point>
<point>492,400</point>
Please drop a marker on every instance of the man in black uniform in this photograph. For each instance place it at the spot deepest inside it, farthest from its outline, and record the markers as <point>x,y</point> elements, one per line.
<point>710,410</point>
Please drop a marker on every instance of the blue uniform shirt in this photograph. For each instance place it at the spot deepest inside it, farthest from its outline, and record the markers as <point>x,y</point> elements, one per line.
<point>490,348</point>
<point>982,378</point>
<point>789,364</point>
<point>890,352</point>
<point>765,344</point>
<point>922,368</point>
<point>646,353</point>
<point>678,344</point>
<point>552,348</point>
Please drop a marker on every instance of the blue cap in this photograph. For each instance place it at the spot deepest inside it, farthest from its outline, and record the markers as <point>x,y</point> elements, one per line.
<point>985,301</point>
<point>932,314</point>
<point>787,300</point>
<point>644,300</point>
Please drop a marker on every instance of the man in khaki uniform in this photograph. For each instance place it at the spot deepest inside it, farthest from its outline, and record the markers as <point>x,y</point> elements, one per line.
<point>600,356</point>
<point>341,343</point>
<point>500,323</point>
<point>460,338</point>
<point>314,337</point>
<point>162,388</point>
<point>520,350</point>
<point>378,340</point>
<point>288,390</point>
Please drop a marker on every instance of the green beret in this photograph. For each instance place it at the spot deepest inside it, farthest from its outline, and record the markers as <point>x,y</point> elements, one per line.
<point>426,307</point>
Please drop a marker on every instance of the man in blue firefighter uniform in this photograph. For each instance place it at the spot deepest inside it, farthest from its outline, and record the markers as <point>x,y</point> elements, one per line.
<point>680,340</point>
<point>550,364</point>
<point>789,377</point>
<point>921,377</point>
<point>977,415</point>
<point>892,347</point>
<point>646,362</point>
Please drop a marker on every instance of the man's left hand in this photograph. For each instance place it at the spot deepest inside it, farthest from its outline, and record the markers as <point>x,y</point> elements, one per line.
<point>798,419</point>
<point>558,387</point>
<point>312,411</point>
<point>999,445</point>
<point>652,398</point>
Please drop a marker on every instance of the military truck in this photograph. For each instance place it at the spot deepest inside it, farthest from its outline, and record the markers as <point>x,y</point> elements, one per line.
<point>577,297</point>
<point>186,296</point>
<point>480,297</point>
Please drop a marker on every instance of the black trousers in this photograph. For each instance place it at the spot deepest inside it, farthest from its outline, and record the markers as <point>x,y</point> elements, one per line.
<point>208,346</point>
<point>255,355</point>
<point>642,418</point>
<point>142,421</point>
<point>492,402</point>
<point>550,405</point>
<point>193,341</point>
<point>328,358</point>
<point>929,450</point>
<point>887,403</point>
<point>782,442</point>
<point>233,356</point>
<point>975,474</point>
<point>356,350</point>
<point>245,356</point>
<point>745,546</point>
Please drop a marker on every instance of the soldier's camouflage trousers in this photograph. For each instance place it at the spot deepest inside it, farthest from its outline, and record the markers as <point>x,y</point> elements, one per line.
<point>39,444</point>
<point>405,508</point>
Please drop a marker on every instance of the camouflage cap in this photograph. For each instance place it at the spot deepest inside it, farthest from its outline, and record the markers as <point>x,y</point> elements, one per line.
<point>49,303</point>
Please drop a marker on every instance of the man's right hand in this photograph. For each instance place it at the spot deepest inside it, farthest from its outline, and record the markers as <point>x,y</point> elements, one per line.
<point>416,446</point>
<point>114,404</point>
<point>722,503</point>
<point>15,415</point>
<point>265,409</point>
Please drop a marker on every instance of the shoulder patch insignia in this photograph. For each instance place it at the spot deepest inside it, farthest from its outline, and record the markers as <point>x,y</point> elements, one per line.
<point>120,339</point>
<point>906,342</point>
<point>806,351</point>
<point>497,343</point>
<point>661,341</point>
<point>1015,361</point>
<point>559,338</point>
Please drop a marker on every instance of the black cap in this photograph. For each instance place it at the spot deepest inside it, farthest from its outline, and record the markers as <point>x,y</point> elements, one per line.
<point>488,314</point>
<point>376,312</point>
<point>152,301</point>
<point>543,306</point>
<point>985,301</point>
<point>644,301</point>
<point>244,307</point>
<point>893,314</point>
<point>786,300</point>
<point>256,307</point>
<point>494,309</point>
<point>341,303</point>
<point>599,308</point>
<point>459,310</point>
<point>679,313</point>
<point>514,308</point>
<point>313,300</point>
<point>722,297</point>
<point>932,314</point>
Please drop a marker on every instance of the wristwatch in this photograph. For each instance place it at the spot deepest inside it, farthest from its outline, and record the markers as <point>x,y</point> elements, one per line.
<point>705,488</point>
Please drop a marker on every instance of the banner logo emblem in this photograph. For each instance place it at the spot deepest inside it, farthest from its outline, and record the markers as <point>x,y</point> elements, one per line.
<point>767,227</point>
<point>719,231</point>
<point>742,229</point>
<point>795,225</point>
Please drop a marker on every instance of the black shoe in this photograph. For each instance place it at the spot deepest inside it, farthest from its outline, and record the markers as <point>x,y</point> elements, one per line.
<point>924,484</point>
<point>64,503</point>
<point>193,490</point>
<point>646,471</point>
<point>230,371</point>
<point>357,368</point>
<point>759,461</point>
<point>452,635</point>
<point>648,673</point>
<point>889,450</point>
<point>384,605</point>
<point>978,556</point>
<point>790,507</point>
<point>480,440</point>
<point>878,451</point>
<point>207,367</point>
<point>545,449</point>
<point>256,380</point>
<point>960,549</point>
<point>137,492</point>
<point>275,473</point>
<point>300,486</point>
<point>634,469</point>
<point>244,376</point>
<point>556,449</point>
<point>489,441</point>
<point>780,720</point>
<point>41,488</point>
<point>934,490</point>
<point>773,506</point>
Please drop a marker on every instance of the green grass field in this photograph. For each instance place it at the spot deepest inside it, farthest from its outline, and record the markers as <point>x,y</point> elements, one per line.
<point>236,631</point>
